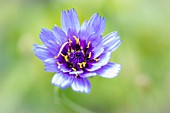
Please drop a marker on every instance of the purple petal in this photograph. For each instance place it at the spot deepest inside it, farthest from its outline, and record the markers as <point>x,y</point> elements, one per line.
<point>60,35</point>
<point>71,33</point>
<point>103,60</point>
<point>94,39</point>
<point>109,70</point>
<point>81,85</point>
<point>97,51</point>
<point>62,80</point>
<point>50,41</point>
<point>83,33</point>
<point>51,65</point>
<point>41,52</point>
<point>96,24</point>
<point>70,20</point>
<point>111,42</point>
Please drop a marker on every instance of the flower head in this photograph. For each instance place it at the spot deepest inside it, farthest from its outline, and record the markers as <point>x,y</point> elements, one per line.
<point>76,52</point>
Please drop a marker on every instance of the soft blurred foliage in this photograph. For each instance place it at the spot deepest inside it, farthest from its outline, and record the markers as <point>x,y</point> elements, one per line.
<point>142,85</point>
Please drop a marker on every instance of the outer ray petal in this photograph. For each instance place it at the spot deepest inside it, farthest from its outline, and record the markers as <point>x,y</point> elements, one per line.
<point>60,35</point>
<point>81,85</point>
<point>111,42</point>
<point>62,80</point>
<point>51,65</point>
<point>42,52</point>
<point>70,20</point>
<point>103,60</point>
<point>50,41</point>
<point>109,70</point>
<point>96,24</point>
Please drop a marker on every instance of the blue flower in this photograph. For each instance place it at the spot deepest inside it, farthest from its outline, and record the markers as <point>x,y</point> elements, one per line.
<point>76,52</point>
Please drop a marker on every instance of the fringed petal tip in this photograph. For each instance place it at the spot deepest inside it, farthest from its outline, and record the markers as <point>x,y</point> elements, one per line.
<point>62,80</point>
<point>41,52</point>
<point>70,20</point>
<point>81,85</point>
<point>111,42</point>
<point>109,70</point>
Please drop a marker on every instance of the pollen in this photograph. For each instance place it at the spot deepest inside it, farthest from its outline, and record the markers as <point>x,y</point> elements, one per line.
<point>82,64</point>
<point>65,57</point>
<point>74,69</point>
<point>88,45</point>
<point>77,40</point>
<point>58,63</point>
<point>89,55</point>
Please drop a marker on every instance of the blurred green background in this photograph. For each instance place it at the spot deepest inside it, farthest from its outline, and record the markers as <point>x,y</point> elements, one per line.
<point>142,85</point>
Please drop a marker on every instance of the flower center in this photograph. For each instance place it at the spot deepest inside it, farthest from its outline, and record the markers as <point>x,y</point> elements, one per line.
<point>76,57</point>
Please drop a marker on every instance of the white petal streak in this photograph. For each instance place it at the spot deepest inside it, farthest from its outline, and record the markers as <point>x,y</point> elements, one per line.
<point>62,80</point>
<point>109,70</point>
<point>111,42</point>
<point>81,85</point>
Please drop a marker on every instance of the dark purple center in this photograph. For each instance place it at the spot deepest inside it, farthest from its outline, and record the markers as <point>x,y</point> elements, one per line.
<point>76,57</point>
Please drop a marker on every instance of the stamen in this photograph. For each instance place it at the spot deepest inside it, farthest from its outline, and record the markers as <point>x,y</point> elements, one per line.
<point>77,40</point>
<point>88,45</point>
<point>89,55</point>
<point>74,69</point>
<point>82,64</point>
<point>96,59</point>
<point>65,57</point>
<point>58,63</point>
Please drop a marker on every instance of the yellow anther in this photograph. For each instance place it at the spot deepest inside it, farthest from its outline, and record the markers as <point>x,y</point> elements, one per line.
<point>55,57</point>
<point>58,63</point>
<point>89,55</point>
<point>83,64</point>
<point>77,40</point>
<point>96,59</point>
<point>80,64</point>
<point>62,54</point>
<point>74,69</point>
<point>88,45</point>
<point>65,57</point>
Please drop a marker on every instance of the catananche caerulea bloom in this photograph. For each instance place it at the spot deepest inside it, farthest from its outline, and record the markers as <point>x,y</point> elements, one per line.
<point>76,52</point>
